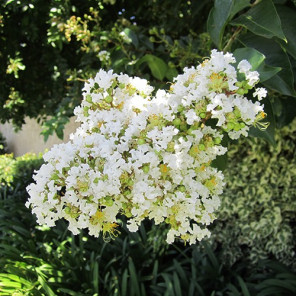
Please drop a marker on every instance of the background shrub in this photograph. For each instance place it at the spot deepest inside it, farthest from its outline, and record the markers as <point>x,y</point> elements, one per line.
<point>3,145</point>
<point>18,171</point>
<point>258,213</point>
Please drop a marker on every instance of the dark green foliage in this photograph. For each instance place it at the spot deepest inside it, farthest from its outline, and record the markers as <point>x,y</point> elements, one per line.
<point>48,49</point>
<point>261,29</point>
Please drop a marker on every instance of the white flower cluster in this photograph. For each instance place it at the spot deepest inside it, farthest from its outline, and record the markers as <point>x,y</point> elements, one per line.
<point>147,156</point>
<point>104,56</point>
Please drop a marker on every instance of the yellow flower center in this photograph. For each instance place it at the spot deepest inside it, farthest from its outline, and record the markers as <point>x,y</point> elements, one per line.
<point>163,168</point>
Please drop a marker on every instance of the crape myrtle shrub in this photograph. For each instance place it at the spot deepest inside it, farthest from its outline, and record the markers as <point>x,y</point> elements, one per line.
<point>257,216</point>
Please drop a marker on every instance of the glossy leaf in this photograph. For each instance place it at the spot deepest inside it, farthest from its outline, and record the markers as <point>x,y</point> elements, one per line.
<point>266,71</point>
<point>220,162</point>
<point>267,134</point>
<point>45,286</point>
<point>222,12</point>
<point>171,73</point>
<point>134,282</point>
<point>253,56</point>
<point>131,35</point>
<point>243,286</point>
<point>262,19</point>
<point>283,81</point>
<point>288,20</point>
<point>284,110</point>
<point>157,66</point>
<point>257,60</point>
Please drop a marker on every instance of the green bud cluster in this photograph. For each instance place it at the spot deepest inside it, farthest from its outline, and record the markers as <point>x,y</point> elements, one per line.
<point>243,87</point>
<point>234,121</point>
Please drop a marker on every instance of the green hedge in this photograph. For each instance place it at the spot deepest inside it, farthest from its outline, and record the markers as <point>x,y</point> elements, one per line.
<point>3,145</point>
<point>258,213</point>
<point>18,171</point>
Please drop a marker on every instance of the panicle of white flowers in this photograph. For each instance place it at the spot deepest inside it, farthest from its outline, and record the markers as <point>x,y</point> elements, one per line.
<point>104,56</point>
<point>148,156</point>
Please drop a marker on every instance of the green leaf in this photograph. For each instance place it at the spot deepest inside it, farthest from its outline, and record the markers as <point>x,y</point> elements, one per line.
<point>96,277</point>
<point>283,81</point>
<point>266,71</point>
<point>285,285</point>
<point>155,272</point>
<point>288,20</point>
<point>234,290</point>
<point>157,66</point>
<point>253,56</point>
<point>256,59</point>
<point>8,2</point>
<point>70,292</point>
<point>124,283</point>
<point>262,19</point>
<point>171,73</point>
<point>284,110</point>
<point>267,134</point>
<point>45,286</point>
<point>177,284</point>
<point>14,280</point>
<point>181,272</point>
<point>134,282</point>
<point>222,12</point>
<point>220,162</point>
<point>243,286</point>
<point>131,35</point>
<point>213,259</point>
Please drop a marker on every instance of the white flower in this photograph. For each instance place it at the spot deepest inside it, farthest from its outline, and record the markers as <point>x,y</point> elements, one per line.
<point>260,93</point>
<point>244,66</point>
<point>145,155</point>
<point>104,56</point>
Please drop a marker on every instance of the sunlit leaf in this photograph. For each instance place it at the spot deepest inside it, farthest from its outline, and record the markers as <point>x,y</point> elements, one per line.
<point>262,19</point>
<point>222,12</point>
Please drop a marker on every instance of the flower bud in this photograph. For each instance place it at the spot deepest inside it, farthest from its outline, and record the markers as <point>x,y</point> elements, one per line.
<point>202,115</point>
<point>201,147</point>
<point>217,141</point>
<point>108,99</point>
<point>240,91</point>
<point>177,122</point>
<point>230,125</point>
<point>146,168</point>
<point>141,141</point>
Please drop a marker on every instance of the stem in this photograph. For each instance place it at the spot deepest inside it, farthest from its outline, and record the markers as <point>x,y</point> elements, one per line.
<point>232,38</point>
<point>237,31</point>
<point>255,3</point>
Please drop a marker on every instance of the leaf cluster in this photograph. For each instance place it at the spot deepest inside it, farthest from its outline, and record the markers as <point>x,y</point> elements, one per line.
<point>262,31</point>
<point>49,49</point>
<point>257,215</point>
